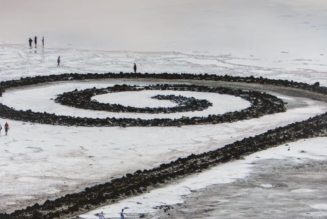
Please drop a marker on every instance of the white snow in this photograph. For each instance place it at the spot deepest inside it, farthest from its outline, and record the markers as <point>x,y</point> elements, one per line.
<point>319,206</point>
<point>45,154</point>
<point>59,159</point>
<point>303,190</point>
<point>17,61</point>
<point>266,185</point>
<point>136,99</point>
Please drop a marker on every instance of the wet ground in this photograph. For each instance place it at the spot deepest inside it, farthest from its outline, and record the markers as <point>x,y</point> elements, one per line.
<point>276,189</point>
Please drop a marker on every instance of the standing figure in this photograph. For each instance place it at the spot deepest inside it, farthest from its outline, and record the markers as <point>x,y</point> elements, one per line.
<point>0,128</point>
<point>101,215</point>
<point>35,41</point>
<point>58,61</point>
<point>30,41</point>
<point>6,127</point>
<point>135,68</point>
<point>43,42</point>
<point>122,216</point>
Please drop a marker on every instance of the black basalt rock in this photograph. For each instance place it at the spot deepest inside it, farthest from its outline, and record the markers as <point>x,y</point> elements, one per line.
<point>261,104</point>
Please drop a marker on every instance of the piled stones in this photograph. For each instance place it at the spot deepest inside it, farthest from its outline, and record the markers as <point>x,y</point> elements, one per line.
<point>168,76</point>
<point>139,181</point>
<point>261,104</point>
<point>82,99</point>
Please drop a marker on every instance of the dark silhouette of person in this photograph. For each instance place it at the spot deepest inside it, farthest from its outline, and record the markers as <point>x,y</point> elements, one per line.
<point>101,215</point>
<point>58,61</point>
<point>30,41</point>
<point>35,41</point>
<point>135,68</point>
<point>6,127</point>
<point>43,42</point>
<point>122,215</point>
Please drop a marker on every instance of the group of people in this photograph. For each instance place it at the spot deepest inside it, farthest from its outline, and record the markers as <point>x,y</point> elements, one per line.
<point>6,128</point>
<point>122,214</point>
<point>30,42</point>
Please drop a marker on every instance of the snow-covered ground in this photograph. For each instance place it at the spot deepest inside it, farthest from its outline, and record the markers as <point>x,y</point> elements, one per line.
<point>18,60</point>
<point>44,161</point>
<point>273,38</point>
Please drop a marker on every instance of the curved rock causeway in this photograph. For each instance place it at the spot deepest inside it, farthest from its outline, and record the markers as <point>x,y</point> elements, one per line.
<point>140,181</point>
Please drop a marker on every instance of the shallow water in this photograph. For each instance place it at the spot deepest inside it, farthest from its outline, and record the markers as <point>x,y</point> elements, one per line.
<point>277,189</point>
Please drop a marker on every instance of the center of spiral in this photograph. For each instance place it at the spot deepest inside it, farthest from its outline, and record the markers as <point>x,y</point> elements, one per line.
<point>83,99</point>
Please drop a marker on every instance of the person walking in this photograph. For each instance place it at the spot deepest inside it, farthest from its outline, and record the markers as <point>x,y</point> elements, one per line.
<point>35,41</point>
<point>30,41</point>
<point>135,68</point>
<point>6,127</point>
<point>58,61</point>
<point>0,128</point>
<point>43,42</point>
